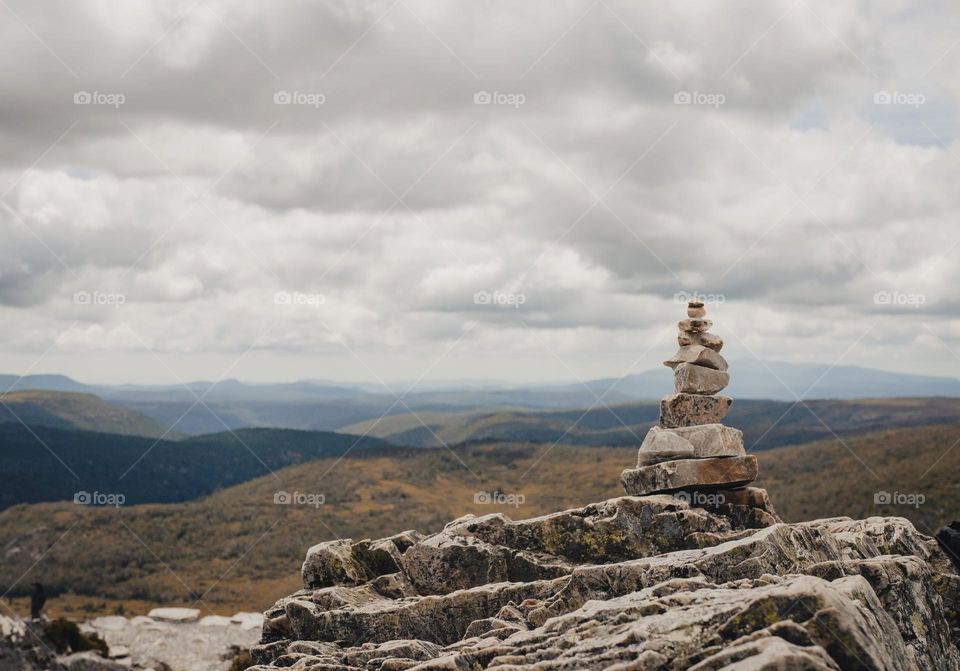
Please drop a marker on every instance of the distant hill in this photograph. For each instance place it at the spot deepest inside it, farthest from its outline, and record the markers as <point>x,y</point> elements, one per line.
<point>138,555</point>
<point>45,464</point>
<point>776,380</point>
<point>71,410</point>
<point>321,405</point>
<point>766,424</point>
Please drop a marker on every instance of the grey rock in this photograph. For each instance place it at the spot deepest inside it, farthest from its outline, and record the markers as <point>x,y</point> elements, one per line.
<point>90,661</point>
<point>692,442</point>
<point>694,325</point>
<point>669,476</point>
<point>691,379</point>
<point>697,355</point>
<point>708,340</point>
<point>648,583</point>
<point>679,410</point>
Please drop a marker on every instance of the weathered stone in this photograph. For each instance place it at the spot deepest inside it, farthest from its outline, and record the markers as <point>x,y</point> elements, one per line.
<point>694,325</point>
<point>332,563</point>
<point>679,410</point>
<point>695,310</point>
<point>709,340</point>
<point>697,355</point>
<point>692,442</point>
<point>90,661</point>
<point>690,379</point>
<point>669,476</point>
<point>832,594</point>
<point>175,614</point>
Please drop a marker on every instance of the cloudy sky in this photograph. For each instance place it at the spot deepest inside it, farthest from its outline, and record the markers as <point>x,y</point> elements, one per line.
<point>513,190</point>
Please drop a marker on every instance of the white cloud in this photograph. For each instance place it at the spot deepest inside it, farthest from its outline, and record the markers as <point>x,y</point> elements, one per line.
<point>597,198</point>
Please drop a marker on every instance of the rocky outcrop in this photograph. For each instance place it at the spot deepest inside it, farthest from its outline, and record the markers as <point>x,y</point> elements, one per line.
<point>693,570</point>
<point>651,582</point>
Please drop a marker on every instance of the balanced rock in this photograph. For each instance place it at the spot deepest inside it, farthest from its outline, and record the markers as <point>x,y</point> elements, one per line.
<point>695,310</point>
<point>697,355</point>
<point>694,325</point>
<point>709,340</point>
<point>692,442</point>
<point>671,476</point>
<point>691,409</point>
<point>693,379</point>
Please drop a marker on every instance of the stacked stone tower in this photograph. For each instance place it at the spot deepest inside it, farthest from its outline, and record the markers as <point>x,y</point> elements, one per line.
<point>691,450</point>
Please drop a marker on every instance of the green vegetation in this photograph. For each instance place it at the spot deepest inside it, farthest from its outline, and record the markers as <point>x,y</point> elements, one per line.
<point>44,464</point>
<point>68,410</point>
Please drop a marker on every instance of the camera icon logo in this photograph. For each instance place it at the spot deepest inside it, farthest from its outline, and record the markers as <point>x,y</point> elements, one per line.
<point>482,98</point>
<point>282,498</point>
<point>482,298</point>
<point>82,298</point>
<point>881,498</point>
<point>882,98</point>
<point>482,498</point>
<point>82,98</point>
<point>282,98</point>
<point>682,98</point>
<point>683,496</point>
<point>283,298</point>
<point>82,498</point>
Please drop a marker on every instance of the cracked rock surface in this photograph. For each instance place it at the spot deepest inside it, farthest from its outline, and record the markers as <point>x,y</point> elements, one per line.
<point>639,583</point>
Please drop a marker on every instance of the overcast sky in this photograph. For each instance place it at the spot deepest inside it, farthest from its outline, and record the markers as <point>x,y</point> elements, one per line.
<point>511,190</point>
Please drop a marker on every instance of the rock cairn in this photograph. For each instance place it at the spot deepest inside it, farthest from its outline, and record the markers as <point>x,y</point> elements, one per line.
<point>691,450</point>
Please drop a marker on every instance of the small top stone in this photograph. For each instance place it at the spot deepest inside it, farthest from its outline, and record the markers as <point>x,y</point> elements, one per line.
<point>695,310</point>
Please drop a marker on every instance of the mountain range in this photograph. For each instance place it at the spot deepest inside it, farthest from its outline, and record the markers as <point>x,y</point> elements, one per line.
<point>207,407</point>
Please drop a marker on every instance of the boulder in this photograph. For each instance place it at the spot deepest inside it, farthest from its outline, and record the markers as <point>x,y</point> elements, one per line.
<point>692,442</point>
<point>691,379</point>
<point>697,355</point>
<point>682,409</point>
<point>827,594</point>
<point>669,476</point>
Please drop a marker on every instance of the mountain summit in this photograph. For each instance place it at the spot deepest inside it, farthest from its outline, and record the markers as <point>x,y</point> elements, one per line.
<point>697,573</point>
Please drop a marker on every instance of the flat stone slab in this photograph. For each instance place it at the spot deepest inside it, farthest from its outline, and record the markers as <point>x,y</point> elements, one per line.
<point>691,442</point>
<point>697,355</point>
<point>691,379</point>
<point>670,476</point>
<point>682,409</point>
<point>175,614</point>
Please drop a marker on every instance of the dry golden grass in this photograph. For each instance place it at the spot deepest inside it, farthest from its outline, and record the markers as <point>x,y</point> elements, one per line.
<point>240,551</point>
